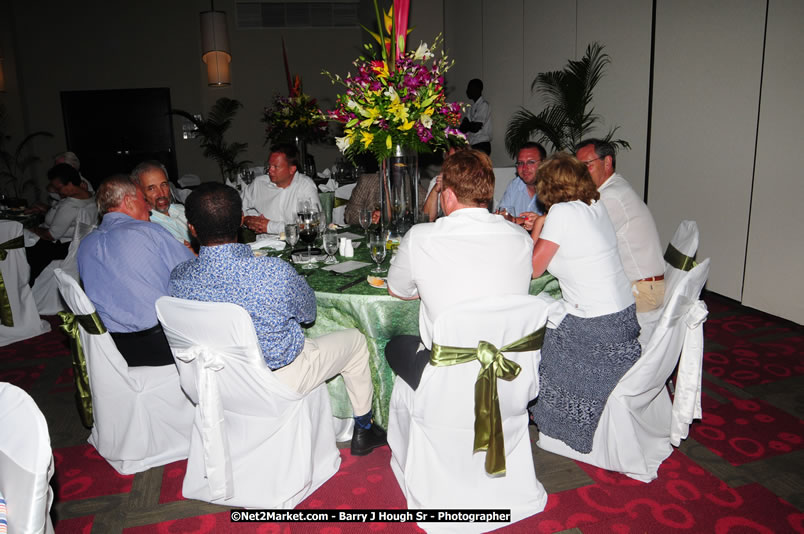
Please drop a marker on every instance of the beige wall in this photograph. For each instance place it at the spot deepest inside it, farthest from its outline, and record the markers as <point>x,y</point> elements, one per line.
<point>775,256</point>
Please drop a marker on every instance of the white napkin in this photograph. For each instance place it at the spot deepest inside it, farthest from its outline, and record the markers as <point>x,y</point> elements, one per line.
<point>346,266</point>
<point>326,173</point>
<point>352,236</point>
<point>330,186</point>
<point>268,241</point>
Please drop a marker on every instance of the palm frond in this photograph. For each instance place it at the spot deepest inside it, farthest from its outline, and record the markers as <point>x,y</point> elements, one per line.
<point>568,116</point>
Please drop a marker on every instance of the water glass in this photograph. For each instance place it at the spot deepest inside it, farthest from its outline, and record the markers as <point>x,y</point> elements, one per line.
<point>330,242</point>
<point>377,249</point>
<point>291,236</point>
<point>365,218</point>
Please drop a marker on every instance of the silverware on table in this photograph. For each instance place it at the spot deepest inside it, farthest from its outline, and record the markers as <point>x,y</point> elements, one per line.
<point>350,284</point>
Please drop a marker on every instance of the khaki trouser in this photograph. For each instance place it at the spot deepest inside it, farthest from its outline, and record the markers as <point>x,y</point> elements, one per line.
<point>340,353</point>
<point>648,295</point>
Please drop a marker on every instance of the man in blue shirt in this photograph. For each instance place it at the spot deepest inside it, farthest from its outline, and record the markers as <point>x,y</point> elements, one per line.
<point>519,202</point>
<point>279,301</point>
<point>125,266</point>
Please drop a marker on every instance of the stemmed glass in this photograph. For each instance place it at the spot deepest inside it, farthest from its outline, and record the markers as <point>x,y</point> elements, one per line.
<point>330,242</point>
<point>377,248</point>
<point>291,236</point>
<point>308,231</point>
<point>365,219</point>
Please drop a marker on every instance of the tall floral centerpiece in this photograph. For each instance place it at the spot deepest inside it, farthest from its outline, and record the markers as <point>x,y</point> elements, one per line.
<point>394,107</point>
<point>295,118</point>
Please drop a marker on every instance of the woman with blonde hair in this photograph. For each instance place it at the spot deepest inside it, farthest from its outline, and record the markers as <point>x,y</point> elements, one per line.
<point>586,354</point>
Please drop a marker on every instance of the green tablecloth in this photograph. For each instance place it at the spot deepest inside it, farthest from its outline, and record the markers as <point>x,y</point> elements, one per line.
<point>378,316</point>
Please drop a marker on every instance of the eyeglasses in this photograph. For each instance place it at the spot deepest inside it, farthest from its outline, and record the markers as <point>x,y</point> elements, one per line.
<point>528,163</point>
<point>589,163</point>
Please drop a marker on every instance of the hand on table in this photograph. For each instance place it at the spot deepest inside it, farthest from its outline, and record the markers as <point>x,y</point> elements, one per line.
<point>258,224</point>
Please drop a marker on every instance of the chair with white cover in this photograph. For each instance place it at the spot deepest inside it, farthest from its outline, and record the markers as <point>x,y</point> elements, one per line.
<point>142,419</point>
<point>342,196</point>
<point>256,443</point>
<point>19,319</point>
<point>431,430</point>
<point>26,462</point>
<point>46,289</point>
<point>639,422</point>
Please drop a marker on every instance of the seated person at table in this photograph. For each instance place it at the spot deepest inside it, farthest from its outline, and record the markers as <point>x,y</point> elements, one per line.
<point>57,231</point>
<point>151,177</point>
<point>125,266</point>
<point>637,237</point>
<point>468,254</point>
<point>273,199</point>
<point>520,201</point>
<point>279,301</point>
<point>432,202</point>
<point>71,159</point>
<point>585,355</point>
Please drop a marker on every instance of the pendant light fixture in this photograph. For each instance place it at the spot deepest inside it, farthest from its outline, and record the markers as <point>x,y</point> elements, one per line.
<point>215,47</point>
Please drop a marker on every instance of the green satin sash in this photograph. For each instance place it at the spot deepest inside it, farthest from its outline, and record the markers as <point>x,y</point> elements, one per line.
<point>493,365</point>
<point>6,318</point>
<point>340,202</point>
<point>93,325</point>
<point>675,258</point>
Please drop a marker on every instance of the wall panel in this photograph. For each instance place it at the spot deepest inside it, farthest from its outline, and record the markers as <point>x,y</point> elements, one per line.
<point>705,102</point>
<point>775,257</point>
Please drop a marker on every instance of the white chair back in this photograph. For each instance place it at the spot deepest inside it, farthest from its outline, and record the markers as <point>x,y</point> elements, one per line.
<point>45,288</point>
<point>142,418</point>
<point>344,193</point>
<point>639,422</point>
<point>256,442</point>
<point>15,271</point>
<point>26,462</point>
<point>431,430</point>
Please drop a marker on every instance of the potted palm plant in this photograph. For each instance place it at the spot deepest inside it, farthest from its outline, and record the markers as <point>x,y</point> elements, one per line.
<point>211,132</point>
<point>16,162</point>
<point>569,116</point>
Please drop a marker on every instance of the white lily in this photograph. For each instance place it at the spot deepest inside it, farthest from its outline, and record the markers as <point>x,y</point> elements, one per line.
<point>427,121</point>
<point>342,143</point>
<point>422,52</point>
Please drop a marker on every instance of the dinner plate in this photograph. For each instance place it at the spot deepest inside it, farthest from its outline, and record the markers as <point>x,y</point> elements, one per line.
<point>376,281</point>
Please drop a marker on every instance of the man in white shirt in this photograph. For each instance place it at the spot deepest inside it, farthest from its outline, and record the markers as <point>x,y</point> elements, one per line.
<point>468,254</point>
<point>477,122</point>
<point>520,201</point>
<point>151,177</point>
<point>271,202</point>
<point>637,237</point>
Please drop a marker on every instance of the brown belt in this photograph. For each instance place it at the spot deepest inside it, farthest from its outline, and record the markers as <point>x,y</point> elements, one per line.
<point>652,278</point>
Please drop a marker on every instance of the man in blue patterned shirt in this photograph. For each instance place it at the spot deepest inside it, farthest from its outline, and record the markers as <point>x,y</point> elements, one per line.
<point>279,301</point>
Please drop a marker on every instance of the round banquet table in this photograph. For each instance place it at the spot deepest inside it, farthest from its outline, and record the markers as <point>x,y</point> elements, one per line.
<point>376,314</point>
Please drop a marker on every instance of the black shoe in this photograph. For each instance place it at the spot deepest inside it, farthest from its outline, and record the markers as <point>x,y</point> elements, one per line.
<point>365,440</point>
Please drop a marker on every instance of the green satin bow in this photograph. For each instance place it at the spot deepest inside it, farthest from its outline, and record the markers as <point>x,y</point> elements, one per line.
<point>6,317</point>
<point>340,202</point>
<point>93,325</point>
<point>493,365</point>
<point>676,259</point>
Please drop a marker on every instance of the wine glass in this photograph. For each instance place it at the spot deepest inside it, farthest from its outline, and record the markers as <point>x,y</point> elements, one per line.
<point>377,248</point>
<point>308,231</point>
<point>291,236</point>
<point>330,242</point>
<point>365,218</point>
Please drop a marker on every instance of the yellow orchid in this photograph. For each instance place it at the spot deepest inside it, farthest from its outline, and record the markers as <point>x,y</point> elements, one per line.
<point>366,139</point>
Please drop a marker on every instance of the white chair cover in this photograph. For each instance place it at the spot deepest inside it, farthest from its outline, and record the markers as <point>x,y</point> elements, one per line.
<point>15,271</point>
<point>46,289</point>
<point>26,462</point>
<point>639,422</point>
<point>344,193</point>
<point>142,417</point>
<point>431,429</point>
<point>256,443</point>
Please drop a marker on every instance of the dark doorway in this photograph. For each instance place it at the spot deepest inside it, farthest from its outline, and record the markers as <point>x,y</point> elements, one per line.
<point>112,131</point>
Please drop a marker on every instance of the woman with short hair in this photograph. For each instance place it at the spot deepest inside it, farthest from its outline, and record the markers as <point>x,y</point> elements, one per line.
<point>586,354</point>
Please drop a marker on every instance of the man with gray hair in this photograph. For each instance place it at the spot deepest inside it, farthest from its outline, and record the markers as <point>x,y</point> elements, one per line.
<point>637,237</point>
<point>125,266</point>
<point>151,176</point>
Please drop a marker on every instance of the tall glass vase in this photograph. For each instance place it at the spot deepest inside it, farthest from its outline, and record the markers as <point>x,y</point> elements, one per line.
<point>306,161</point>
<point>399,191</point>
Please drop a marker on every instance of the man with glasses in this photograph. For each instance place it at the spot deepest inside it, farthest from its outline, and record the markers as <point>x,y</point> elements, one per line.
<point>637,237</point>
<point>519,203</point>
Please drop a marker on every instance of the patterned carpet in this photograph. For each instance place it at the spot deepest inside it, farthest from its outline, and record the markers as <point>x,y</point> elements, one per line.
<point>741,470</point>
